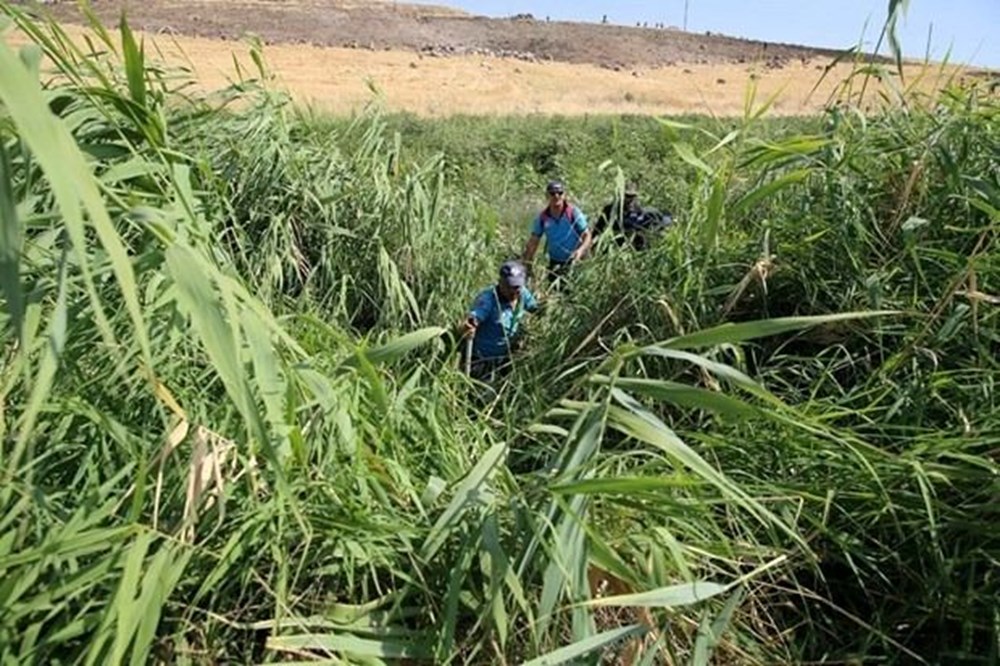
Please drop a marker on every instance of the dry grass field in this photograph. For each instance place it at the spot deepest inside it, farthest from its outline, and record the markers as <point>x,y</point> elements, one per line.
<point>633,71</point>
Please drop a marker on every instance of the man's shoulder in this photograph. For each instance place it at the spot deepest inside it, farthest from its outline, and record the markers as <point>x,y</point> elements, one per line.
<point>573,213</point>
<point>484,297</point>
<point>538,223</point>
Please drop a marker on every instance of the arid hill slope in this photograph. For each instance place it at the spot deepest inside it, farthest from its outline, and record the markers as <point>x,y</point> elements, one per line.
<point>381,25</point>
<point>439,61</point>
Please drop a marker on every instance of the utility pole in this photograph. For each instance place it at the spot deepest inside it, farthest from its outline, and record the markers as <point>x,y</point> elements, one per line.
<point>686,15</point>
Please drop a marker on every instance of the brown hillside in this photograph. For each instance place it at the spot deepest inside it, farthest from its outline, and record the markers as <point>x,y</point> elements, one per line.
<point>439,61</point>
<point>385,24</point>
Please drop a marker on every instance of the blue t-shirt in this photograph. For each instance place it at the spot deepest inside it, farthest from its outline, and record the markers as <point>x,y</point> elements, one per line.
<point>498,322</point>
<point>562,234</point>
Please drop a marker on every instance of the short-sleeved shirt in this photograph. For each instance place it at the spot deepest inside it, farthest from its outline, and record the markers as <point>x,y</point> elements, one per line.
<point>562,234</point>
<point>498,322</point>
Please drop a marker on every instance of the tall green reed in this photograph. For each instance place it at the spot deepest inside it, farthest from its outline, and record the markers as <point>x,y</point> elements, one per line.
<point>274,476</point>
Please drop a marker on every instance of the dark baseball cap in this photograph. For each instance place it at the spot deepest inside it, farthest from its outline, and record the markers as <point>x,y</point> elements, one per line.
<point>555,187</point>
<point>513,274</point>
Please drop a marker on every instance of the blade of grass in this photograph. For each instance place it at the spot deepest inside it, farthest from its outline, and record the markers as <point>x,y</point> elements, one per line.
<point>44,376</point>
<point>572,652</point>
<point>467,494</point>
<point>135,65</point>
<point>671,596</point>
<point>10,246</point>
<point>710,633</point>
<point>730,333</point>
<point>73,185</point>
<point>348,646</point>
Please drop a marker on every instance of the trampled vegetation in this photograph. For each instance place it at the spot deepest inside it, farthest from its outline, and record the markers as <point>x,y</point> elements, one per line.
<point>234,429</point>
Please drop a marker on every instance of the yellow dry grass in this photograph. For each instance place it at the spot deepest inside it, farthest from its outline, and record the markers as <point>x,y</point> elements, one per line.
<point>338,80</point>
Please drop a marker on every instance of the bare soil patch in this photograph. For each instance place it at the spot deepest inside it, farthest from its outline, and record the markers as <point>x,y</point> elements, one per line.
<point>435,61</point>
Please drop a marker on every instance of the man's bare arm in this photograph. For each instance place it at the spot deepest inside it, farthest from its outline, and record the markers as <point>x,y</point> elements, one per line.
<point>530,249</point>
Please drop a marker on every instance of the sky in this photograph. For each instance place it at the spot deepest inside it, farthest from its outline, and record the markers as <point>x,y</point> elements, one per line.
<point>967,27</point>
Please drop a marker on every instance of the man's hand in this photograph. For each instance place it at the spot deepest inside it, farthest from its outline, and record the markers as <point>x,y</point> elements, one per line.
<point>585,240</point>
<point>469,327</point>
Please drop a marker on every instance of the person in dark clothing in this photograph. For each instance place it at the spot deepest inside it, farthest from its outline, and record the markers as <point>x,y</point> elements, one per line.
<point>630,221</point>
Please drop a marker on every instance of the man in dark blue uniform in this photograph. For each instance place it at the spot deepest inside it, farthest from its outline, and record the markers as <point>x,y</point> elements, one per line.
<point>630,221</point>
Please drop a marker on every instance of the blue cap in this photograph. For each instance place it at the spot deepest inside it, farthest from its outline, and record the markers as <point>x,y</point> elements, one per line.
<point>512,273</point>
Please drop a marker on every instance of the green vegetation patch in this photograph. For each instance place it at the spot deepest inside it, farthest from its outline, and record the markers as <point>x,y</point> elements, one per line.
<point>235,430</point>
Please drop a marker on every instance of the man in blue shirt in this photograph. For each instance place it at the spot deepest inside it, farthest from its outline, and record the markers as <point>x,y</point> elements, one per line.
<point>567,236</point>
<point>495,319</point>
